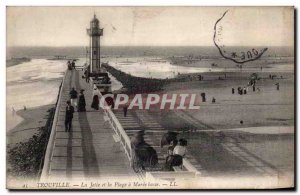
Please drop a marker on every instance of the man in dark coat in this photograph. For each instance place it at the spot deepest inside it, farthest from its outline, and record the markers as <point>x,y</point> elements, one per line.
<point>69,116</point>
<point>81,102</point>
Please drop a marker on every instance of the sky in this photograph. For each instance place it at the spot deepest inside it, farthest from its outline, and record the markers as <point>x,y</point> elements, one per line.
<point>150,26</point>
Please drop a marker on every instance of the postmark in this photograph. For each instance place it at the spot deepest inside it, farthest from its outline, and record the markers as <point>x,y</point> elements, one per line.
<point>237,56</point>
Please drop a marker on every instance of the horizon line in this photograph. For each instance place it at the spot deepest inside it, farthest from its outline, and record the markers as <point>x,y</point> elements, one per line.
<point>153,46</point>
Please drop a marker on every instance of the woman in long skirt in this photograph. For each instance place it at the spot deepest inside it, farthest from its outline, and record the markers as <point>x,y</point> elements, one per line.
<point>81,102</point>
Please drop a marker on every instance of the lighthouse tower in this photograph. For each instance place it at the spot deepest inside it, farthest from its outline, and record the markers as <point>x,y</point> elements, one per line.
<point>94,32</point>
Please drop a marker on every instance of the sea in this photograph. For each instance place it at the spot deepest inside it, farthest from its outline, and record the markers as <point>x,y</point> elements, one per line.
<point>36,83</point>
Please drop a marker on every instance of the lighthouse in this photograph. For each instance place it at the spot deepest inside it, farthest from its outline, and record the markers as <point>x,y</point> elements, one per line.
<point>94,32</point>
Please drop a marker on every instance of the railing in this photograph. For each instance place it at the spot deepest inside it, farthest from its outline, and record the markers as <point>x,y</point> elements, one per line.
<point>118,129</point>
<point>50,144</point>
<point>125,140</point>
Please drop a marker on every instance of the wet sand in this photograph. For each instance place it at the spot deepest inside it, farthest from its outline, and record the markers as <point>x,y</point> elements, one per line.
<point>33,118</point>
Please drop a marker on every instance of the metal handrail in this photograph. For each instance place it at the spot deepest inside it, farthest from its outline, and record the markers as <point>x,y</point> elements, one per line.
<point>118,129</point>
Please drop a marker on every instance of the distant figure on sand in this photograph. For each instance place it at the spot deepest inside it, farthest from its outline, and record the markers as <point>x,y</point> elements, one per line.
<point>245,90</point>
<point>232,90</point>
<point>125,108</point>
<point>25,108</point>
<point>277,84</point>
<point>73,96</point>
<point>203,97</point>
<point>240,91</point>
<point>81,102</point>
<point>69,117</point>
<point>199,77</point>
<point>213,100</point>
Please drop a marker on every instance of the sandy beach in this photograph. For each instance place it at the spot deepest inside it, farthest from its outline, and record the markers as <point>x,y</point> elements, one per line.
<point>33,118</point>
<point>267,106</point>
<point>217,138</point>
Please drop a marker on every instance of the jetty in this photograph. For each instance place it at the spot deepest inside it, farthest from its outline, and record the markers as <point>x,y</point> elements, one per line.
<point>90,150</point>
<point>99,146</point>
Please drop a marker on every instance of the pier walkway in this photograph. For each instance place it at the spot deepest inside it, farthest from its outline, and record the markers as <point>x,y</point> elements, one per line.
<point>89,151</point>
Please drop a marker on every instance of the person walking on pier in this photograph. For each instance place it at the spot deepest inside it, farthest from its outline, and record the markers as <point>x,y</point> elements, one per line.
<point>69,117</point>
<point>81,102</point>
<point>73,96</point>
<point>69,65</point>
<point>125,108</point>
<point>96,96</point>
<point>73,64</point>
<point>86,74</point>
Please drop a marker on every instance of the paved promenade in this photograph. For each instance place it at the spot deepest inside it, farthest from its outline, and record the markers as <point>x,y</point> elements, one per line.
<point>89,151</point>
